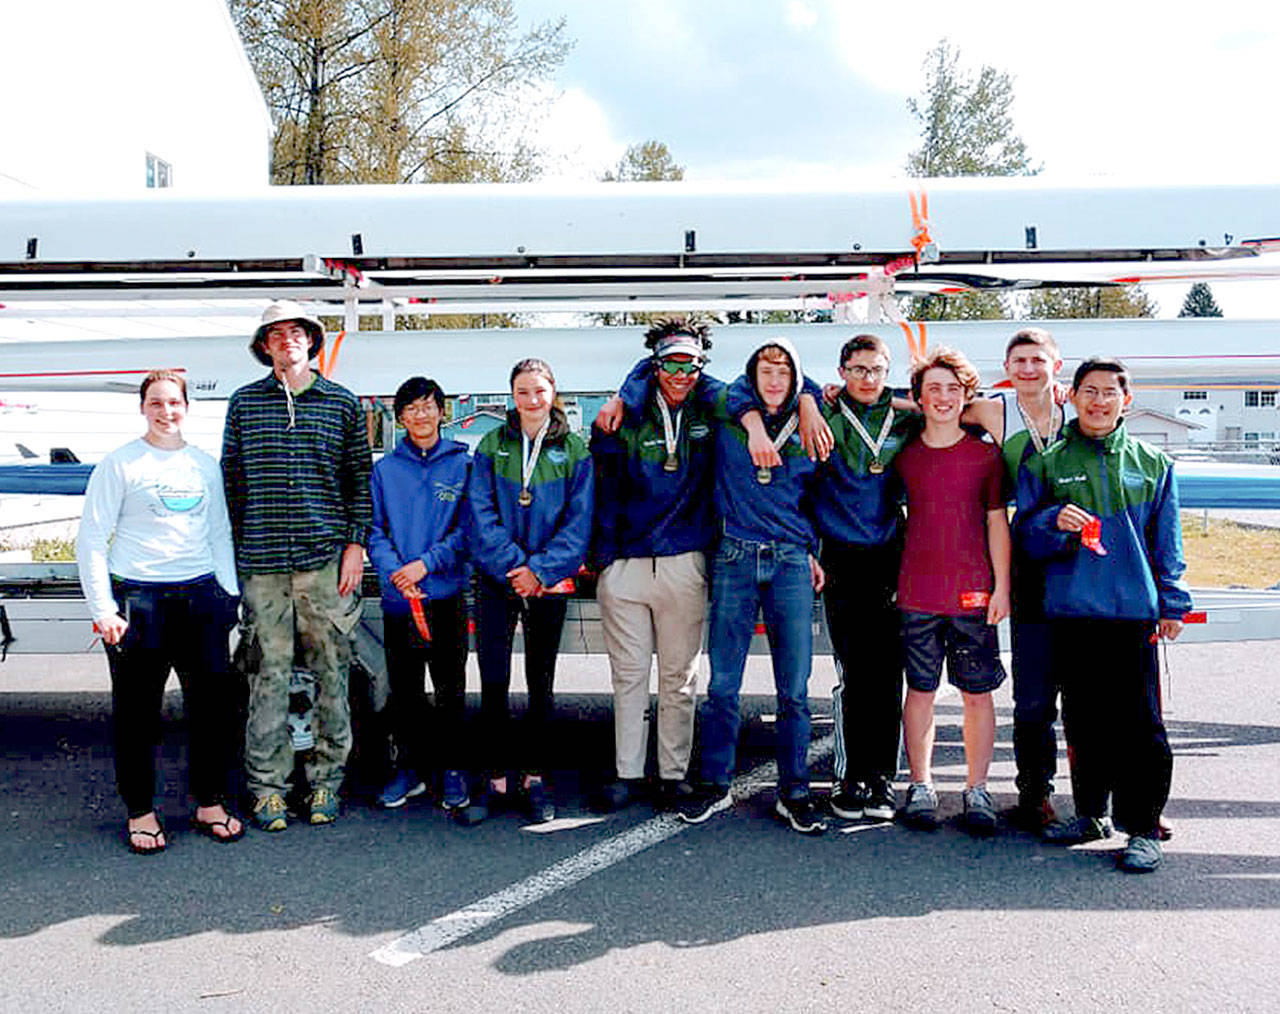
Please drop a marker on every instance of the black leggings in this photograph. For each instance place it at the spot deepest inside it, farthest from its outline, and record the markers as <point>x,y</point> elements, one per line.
<point>182,626</point>
<point>497,610</point>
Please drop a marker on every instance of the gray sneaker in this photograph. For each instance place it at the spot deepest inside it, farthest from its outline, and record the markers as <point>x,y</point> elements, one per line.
<point>1141,855</point>
<point>979,811</point>
<point>921,808</point>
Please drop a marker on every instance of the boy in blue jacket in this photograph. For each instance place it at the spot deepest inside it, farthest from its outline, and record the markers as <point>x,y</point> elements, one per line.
<point>418,547</point>
<point>1101,509</point>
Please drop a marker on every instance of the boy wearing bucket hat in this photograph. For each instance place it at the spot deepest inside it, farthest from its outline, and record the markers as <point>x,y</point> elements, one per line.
<point>295,463</point>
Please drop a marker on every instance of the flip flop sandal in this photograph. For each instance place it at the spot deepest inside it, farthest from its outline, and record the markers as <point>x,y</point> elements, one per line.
<point>206,828</point>
<point>153,835</point>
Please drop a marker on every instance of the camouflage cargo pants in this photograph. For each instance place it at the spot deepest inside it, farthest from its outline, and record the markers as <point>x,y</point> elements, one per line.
<point>278,604</point>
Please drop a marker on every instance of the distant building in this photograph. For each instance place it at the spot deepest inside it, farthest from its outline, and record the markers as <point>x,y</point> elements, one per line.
<point>469,429</point>
<point>1249,419</point>
<point>118,97</point>
<point>1161,429</point>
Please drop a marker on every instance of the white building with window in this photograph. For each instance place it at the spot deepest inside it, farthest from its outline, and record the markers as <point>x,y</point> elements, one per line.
<point>116,97</point>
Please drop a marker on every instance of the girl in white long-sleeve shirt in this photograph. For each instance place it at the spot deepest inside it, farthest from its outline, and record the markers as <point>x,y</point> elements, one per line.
<point>158,569</point>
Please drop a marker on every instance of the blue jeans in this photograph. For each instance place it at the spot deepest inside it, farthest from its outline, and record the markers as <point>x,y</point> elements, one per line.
<point>747,576</point>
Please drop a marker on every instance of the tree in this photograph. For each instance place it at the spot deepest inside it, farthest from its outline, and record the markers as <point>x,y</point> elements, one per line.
<point>398,91</point>
<point>648,160</point>
<point>966,128</point>
<point>1091,301</point>
<point>1200,302</point>
<point>974,305</point>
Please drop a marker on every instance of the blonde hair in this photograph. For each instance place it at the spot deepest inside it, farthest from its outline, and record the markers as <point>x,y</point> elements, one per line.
<point>947,359</point>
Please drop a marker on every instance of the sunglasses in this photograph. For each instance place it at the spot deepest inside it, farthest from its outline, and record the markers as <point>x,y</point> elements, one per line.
<point>675,366</point>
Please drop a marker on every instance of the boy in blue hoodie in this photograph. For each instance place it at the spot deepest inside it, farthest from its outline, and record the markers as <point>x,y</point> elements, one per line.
<point>418,547</point>
<point>767,559</point>
<point>1100,508</point>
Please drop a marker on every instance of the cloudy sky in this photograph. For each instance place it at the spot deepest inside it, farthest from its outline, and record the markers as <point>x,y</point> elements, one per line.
<point>816,90</point>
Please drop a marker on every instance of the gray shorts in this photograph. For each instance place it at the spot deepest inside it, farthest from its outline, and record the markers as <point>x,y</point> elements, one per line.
<point>968,643</point>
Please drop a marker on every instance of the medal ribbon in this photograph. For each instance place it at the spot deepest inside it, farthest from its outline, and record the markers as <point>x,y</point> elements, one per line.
<point>1037,441</point>
<point>784,434</point>
<point>874,446</point>
<point>670,430</point>
<point>528,458</point>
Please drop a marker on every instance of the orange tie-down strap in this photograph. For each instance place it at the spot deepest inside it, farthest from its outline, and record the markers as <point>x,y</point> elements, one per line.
<point>329,363</point>
<point>918,348</point>
<point>921,240</point>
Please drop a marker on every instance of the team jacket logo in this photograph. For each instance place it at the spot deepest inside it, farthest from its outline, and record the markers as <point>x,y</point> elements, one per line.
<point>556,456</point>
<point>1066,480</point>
<point>698,430</point>
<point>448,492</point>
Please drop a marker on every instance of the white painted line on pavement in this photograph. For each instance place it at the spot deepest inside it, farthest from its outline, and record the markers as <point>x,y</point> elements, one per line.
<point>447,929</point>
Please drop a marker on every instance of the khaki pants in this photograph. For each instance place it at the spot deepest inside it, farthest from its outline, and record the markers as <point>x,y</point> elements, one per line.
<point>647,603</point>
<point>278,604</point>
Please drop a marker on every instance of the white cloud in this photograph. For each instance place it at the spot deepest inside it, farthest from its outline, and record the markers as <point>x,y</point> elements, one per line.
<point>801,15</point>
<point>577,137</point>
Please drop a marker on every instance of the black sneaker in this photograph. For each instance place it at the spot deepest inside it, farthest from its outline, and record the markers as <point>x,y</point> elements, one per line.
<point>672,794</point>
<point>537,804</point>
<point>617,795</point>
<point>704,802</point>
<point>800,814</point>
<point>850,802</point>
<point>487,803</point>
<point>1033,813</point>
<point>882,804</point>
<point>1076,831</point>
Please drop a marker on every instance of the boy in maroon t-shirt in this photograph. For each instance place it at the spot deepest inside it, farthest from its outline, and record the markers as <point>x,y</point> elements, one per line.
<point>953,587</point>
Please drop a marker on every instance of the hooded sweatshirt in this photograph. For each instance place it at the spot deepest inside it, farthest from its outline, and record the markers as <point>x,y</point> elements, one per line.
<point>781,510</point>
<point>420,513</point>
<point>551,534</point>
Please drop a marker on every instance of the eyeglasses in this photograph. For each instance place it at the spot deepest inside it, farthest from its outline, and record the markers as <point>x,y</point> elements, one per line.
<point>673,367</point>
<point>1104,395</point>
<point>865,372</point>
<point>419,408</point>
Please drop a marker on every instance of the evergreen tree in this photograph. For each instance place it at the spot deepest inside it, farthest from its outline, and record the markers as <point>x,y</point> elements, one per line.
<point>1200,302</point>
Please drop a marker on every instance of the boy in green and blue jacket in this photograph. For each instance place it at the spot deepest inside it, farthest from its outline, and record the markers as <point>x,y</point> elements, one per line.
<point>1100,508</point>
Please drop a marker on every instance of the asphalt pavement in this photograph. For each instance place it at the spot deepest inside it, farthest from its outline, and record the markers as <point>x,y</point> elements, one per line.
<point>406,911</point>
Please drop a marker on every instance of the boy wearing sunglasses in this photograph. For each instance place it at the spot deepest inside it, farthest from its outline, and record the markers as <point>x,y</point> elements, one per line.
<point>654,520</point>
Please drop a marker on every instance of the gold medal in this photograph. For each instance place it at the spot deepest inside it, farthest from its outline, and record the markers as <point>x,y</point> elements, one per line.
<point>764,476</point>
<point>671,464</point>
<point>875,468</point>
<point>525,498</point>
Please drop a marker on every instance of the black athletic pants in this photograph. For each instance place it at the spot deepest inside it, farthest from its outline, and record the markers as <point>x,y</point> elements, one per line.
<point>864,627</point>
<point>425,738</point>
<point>1110,680</point>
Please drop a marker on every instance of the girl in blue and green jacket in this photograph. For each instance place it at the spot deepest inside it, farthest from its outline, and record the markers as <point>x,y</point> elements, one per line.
<point>530,498</point>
